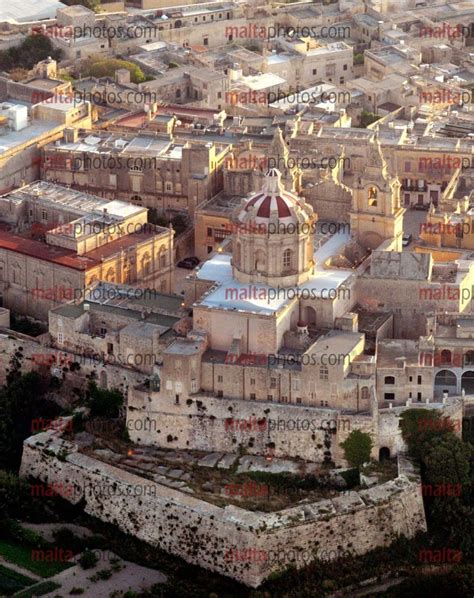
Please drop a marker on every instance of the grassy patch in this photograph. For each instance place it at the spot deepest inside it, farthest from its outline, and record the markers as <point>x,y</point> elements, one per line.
<point>40,589</point>
<point>11,581</point>
<point>44,566</point>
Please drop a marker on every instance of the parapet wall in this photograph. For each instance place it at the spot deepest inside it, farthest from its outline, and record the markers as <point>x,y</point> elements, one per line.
<point>247,546</point>
<point>219,424</point>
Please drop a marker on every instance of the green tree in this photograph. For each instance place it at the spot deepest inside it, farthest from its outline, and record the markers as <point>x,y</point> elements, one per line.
<point>107,68</point>
<point>91,4</point>
<point>21,403</point>
<point>102,402</point>
<point>367,118</point>
<point>419,426</point>
<point>357,447</point>
<point>32,50</point>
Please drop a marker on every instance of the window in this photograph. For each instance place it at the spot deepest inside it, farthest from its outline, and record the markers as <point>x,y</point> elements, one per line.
<point>194,387</point>
<point>418,396</point>
<point>103,331</point>
<point>221,234</point>
<point>446,357</point>
<point>341,79</point>
<point>315,71</point>
<point>389,380</point>
<point>298,400</point>
<point>44,215</point>
<point>252,396</point>
<point>389,396</point>
<point>344,68</point>
<point>419,379</point>
<point>220,394</point>
<point>209,232</point>
<point>284,399</point>
<point>323,373</point>
<point>269,397</point>
<point>220,379</point>
<point>206,41</point>
<point>365,393</point>
<point>407,166</point>
<point>219,95</point>
<point>252,381</point>
<point>287,259</point>
<point>372,197</point>
<point>176,399</point>
<point>273,382</point>
<point>110,348</point>
<point>411,378</point>
<point>60,338</point>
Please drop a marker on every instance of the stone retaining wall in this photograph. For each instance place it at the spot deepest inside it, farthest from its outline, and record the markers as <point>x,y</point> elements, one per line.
<point>247,546</point>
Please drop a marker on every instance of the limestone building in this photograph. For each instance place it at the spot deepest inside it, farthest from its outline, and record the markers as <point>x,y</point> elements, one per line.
<point>56,242</point>
<point>145,169</point>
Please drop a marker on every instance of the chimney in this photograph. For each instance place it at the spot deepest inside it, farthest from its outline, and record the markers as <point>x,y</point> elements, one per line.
<point>71,135</point>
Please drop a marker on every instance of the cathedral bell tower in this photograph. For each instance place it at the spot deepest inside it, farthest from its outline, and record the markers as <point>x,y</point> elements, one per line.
<point>376,214</point>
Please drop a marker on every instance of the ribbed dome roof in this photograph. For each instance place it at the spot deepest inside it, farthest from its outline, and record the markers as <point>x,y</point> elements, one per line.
<point>272,199</point>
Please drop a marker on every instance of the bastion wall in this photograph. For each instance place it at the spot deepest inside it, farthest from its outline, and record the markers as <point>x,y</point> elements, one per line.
<point>208,423</point>
<point>247,546</point>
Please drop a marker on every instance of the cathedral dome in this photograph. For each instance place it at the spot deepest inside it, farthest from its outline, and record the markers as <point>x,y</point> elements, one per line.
<point>273,200</point>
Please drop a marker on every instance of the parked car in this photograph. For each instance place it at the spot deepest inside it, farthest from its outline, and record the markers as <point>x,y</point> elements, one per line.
<point>189,263</point>
<point>421,206</point>
<point>193,259</point>
<point>406,240</point>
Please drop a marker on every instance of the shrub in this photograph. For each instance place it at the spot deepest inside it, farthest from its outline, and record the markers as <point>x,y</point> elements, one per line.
<point>357,447</point>
<point>102,402</point>
<point>88,559</point>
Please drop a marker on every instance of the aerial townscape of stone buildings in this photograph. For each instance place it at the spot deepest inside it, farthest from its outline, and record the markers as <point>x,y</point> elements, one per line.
<point>265,244</point>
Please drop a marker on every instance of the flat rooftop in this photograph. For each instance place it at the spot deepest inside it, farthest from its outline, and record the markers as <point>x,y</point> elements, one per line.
<point>12,139</point>
<point>229,294</point>
<point>23,11</point>
<point>72,200</point>
<point>74,311</point>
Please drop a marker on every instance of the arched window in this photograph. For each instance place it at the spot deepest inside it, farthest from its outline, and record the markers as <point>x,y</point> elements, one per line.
<point>372,196</point>
<point>365,394</point>
<point>260,261</point>
<point>287,259</point>
<point>237,254</point>
<point>162,257</point>
<point>178,94</point>
<point>446,357</point>
<point>389,380</point>
<point>110,276</point>
<point>469,358</point>
<point>136,198</point>
<point>146,265</point>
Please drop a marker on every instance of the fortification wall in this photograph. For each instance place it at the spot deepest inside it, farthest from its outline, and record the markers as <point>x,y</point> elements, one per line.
<point>246,546</point>
<point>220,424</point>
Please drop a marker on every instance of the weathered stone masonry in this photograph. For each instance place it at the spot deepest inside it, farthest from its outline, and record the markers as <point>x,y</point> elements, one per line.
<point>211,536</point>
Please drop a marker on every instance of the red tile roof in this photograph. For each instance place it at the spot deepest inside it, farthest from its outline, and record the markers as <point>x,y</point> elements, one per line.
<point>42,251</point>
